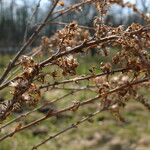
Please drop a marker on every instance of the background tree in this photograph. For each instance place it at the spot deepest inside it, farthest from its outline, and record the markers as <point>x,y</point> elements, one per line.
<point>52,65</point>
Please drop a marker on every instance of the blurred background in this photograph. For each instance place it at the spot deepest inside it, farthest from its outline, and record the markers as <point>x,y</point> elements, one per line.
<point>101,133</point>
<point>15,16</point>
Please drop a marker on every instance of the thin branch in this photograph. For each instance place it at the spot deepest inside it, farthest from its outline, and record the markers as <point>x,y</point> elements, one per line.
<point>72,107</point>
<point>83,88</point>
<point>74,125</point>
<point>29,21</point>
<point>85,78</point>
<point>79,48</point>
<point>38,108</point>
<point>69,9</point>
<point>30,40</point>
<point>64,24</point>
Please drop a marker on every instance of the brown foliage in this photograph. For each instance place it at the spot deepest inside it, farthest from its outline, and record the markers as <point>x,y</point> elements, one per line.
<point>113,87</point>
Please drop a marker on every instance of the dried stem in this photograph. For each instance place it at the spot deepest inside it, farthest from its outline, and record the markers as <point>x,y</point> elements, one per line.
<point>74,125</point>
<point>72,107</point>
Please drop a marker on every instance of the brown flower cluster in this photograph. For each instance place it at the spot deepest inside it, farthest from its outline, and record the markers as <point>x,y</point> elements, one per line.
<point>116,81</point>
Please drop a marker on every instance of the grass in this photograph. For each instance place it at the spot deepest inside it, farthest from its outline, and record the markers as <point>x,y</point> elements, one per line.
<point>88,135</point>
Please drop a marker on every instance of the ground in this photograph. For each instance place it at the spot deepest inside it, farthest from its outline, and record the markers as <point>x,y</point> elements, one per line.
<point>103,132</point>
